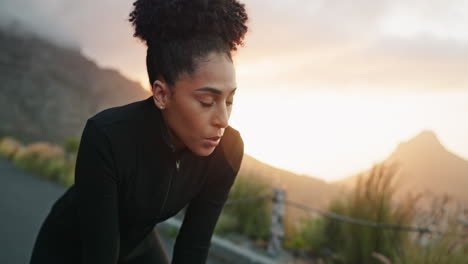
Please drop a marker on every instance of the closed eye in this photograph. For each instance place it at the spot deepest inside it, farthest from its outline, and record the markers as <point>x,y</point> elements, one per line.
<point>207,104</point>
<point>209,101</point>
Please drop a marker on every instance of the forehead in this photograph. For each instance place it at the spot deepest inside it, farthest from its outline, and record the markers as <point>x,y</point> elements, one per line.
<point>215,71</point>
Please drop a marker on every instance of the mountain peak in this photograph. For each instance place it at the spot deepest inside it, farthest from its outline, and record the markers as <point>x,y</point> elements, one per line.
<point>424,164</point>
<point>426,137</point>
<point>424,142</point>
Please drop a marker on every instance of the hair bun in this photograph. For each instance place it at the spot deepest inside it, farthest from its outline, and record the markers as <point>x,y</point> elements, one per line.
<point>168,20</point>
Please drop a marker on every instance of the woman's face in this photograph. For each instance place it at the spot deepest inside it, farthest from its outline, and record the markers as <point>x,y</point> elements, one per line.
<point>198,111</point>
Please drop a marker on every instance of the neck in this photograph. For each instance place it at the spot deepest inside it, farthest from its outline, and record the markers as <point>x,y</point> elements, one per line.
<point>178,144</point>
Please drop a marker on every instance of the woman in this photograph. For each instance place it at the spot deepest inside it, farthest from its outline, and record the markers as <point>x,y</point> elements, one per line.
<point>141,163</point>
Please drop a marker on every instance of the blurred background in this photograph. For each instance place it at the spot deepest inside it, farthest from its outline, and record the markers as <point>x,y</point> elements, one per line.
<point>330,93</point>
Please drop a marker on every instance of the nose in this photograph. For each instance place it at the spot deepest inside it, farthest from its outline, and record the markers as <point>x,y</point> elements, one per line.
<point>221,116</point>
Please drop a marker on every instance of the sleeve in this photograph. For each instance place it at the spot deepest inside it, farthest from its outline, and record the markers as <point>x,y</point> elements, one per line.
<point>96,185</point>
<point>194,238</point>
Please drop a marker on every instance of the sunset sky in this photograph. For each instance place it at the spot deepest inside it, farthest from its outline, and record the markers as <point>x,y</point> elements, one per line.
<point>325,88</point>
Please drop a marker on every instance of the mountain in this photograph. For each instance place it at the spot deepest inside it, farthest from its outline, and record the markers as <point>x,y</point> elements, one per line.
<point>425,165</point>
<point>47,91</point>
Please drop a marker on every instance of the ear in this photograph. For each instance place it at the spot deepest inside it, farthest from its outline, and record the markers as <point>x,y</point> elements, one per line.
<point>161,93</point>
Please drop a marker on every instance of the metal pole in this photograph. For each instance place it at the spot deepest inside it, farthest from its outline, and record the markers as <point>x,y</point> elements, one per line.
<point>277,227</point>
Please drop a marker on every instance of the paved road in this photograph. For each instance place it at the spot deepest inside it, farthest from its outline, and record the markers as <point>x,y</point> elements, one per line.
<point>25,200</point>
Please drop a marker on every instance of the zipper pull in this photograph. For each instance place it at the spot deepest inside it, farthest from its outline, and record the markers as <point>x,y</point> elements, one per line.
<point>177,164</point>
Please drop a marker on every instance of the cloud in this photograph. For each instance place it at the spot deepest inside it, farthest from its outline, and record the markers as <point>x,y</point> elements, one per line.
<point>100,29</point>
<point>360,45</point>
<point>394,45</point>
<point>420,63</point>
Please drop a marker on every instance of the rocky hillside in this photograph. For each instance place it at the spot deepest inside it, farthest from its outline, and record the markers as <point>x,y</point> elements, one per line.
<point>47,92</point>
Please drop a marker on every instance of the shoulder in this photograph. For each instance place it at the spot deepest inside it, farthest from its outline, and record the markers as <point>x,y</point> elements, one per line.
<point>224,165</point>
<point>120,123</point>
<point>118,114</point>
<point>232,140</point>
<point>117,128</point>
<point>230,150</point>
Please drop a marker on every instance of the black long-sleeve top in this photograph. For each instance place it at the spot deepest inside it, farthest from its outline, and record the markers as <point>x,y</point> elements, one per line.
<point>128,178</point>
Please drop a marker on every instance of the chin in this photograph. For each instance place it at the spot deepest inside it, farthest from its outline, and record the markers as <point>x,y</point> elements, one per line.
<point>203,151</point>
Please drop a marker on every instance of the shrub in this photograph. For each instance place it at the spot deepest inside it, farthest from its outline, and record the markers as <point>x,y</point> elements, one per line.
<point>8,147</point>
<point>449,244</point>
<point>226,223</point>
<point>42,158</point>
<point>339,241</point>
<point>47,160</point>
<point>252,217</point>
<point>69,176</point>
<point>308,235</point>
<point>371,200</point>
<point>71,145</point>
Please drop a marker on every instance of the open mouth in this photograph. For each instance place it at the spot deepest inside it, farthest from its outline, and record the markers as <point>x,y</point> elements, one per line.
<point>213,141</point>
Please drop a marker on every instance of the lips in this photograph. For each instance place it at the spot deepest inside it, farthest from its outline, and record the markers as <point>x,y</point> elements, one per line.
<point>213,141</point>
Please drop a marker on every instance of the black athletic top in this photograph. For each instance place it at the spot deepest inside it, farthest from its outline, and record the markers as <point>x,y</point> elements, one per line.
<point>128,178</point>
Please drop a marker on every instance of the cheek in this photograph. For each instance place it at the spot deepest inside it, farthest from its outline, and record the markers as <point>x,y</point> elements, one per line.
<point>194,120</point>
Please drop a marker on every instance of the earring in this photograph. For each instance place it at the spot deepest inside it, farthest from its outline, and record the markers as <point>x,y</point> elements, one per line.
<point>161,107</point>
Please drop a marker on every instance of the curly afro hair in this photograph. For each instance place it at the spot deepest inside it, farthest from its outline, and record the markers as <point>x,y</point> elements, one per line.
<point>179,32</point>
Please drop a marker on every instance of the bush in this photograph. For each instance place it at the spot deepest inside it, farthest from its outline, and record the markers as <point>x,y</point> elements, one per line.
<point>53,168</point>
<point>8,147</point>
<point>69,176</point>
<point>71,145</point>
<point>47,160</point>
<point>226,223</point>
<point>339,241</point>
<point>44,159</point>
<point>250,218</point>
<point>449,244</point>
<point>442,249</point>
<point>371,200</point>
<point>308,235</point>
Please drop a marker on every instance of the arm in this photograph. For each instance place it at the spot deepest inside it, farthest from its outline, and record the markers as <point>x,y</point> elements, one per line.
<point>194,238</point>
<point>96,185</point>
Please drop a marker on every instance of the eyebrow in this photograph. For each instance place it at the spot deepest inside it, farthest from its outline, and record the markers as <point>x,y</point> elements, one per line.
<point>213,90</point>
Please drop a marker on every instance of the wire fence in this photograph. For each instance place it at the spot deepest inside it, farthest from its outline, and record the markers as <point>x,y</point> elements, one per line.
<point>262,197</point>
<point>277,215</point>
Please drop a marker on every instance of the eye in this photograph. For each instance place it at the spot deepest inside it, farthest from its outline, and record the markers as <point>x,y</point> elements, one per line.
<point>204,104</point>
<point>206,100</point>
<point>230,101</point>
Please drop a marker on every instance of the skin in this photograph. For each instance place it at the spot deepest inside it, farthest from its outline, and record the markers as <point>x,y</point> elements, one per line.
<point>198,106</point>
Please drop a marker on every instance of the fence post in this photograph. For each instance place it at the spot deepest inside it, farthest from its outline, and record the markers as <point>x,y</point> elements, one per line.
<point>276,227</point>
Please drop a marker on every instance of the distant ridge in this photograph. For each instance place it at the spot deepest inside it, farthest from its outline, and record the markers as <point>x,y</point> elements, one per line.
<point>303,189</point>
